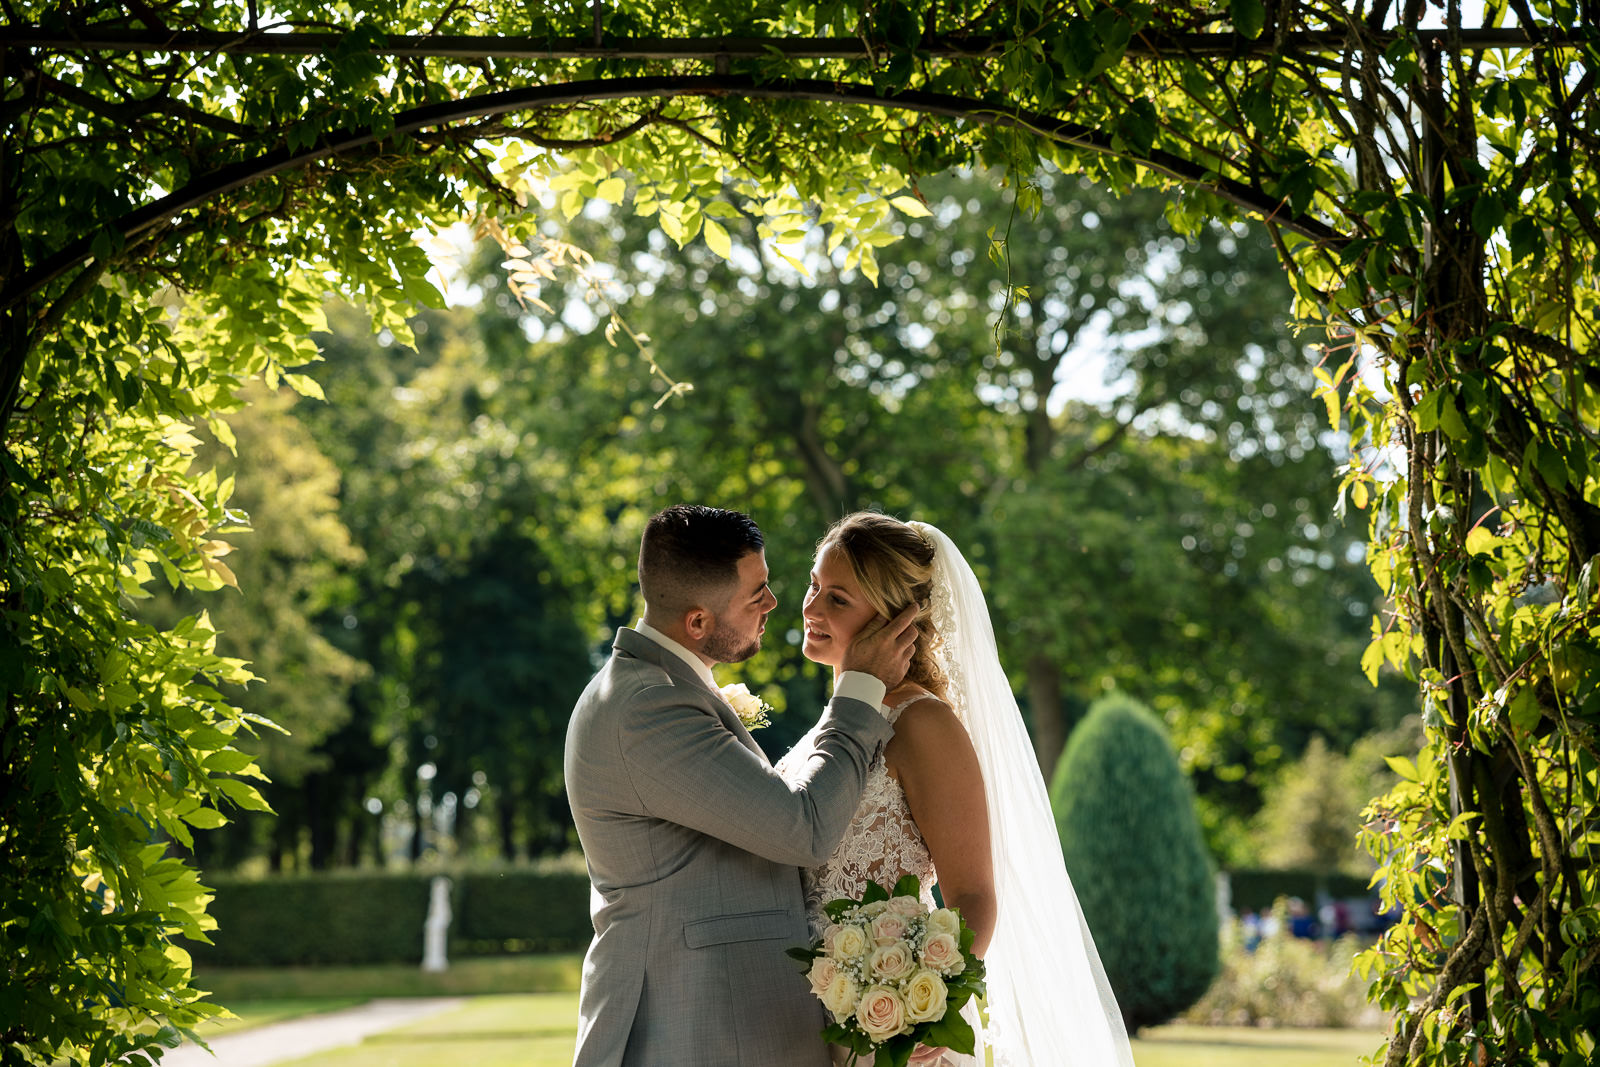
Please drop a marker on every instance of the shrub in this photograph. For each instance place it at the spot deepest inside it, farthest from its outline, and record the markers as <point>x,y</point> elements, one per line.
<point>1257,890</point>
<point>1132,844</point>
<point>1286,981</point>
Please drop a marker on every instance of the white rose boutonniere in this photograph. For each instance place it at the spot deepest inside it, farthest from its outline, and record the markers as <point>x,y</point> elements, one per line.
<point>751,709</point>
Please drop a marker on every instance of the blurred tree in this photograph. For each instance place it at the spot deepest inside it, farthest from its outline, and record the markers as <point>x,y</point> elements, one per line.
<point>1310,815</point>
<point>500,664</point>
<point>472,510</point>
<point>290,564</point>
<point>1186,458</point>
<point>1155,535</point>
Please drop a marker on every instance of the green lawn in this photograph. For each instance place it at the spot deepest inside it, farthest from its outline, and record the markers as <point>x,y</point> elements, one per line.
<point>538,1031</point>
<point>1236,1046</point>
<point>492,1031</point>
<point>231,986</point>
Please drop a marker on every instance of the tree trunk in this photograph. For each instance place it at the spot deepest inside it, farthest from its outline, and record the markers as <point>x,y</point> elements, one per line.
<point>825,479</point>
<point>505,814</point>
<point>418,826</point>
<point>320,821</point>
<point>1044,698</point>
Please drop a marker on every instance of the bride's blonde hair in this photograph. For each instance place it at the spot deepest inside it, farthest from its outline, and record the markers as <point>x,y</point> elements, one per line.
<point>893,564</point>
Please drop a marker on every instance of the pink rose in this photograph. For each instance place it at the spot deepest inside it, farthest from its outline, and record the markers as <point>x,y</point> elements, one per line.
<point>905,907</point>
<point>890,963</point>
<point>881,1013</point>
<point>941,953</point>
<point>821,974</point>
<point>887,928</point>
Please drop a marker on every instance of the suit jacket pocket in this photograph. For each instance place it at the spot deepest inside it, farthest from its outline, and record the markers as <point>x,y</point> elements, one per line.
<point>751,926</point>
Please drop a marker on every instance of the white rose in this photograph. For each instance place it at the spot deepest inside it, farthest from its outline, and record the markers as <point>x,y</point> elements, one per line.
<point>905,907</point>
<point>840,996</point>
<point>821,974</point>
<point>850,942</point>
<point>873,910</point>
<point>881,1013</point>
<point>887,928</point>
<point>941,953</point>
<point>925,997</point>
<point>890,963</point>
<point>944,921</point>
<point>751,709</point>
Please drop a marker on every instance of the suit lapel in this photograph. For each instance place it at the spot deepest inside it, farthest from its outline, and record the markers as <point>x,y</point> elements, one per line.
<point>631,642</point>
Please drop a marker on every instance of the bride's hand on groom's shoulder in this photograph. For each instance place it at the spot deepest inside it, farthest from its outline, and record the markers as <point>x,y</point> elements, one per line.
<point>883,647</point>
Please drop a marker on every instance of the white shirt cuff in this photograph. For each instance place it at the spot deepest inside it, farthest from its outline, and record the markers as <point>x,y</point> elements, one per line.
<point>859,685</point>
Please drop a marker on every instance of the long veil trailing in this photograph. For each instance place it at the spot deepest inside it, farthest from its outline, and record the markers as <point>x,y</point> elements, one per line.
<point>1049,1002</point>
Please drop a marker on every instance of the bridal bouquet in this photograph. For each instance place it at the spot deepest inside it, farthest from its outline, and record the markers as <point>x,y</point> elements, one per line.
<point>894,974</point>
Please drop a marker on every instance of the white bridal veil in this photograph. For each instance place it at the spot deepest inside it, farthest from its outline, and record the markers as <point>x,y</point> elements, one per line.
<point>1049,1002</point>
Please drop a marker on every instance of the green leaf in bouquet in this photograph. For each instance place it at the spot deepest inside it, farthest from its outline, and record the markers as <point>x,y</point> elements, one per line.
<point>804,955</point>
<point>967,937</point>
<point>839,1034</point>
<point>952,1032</point>
<point>897,1050</point>
<point>907,886</point>
<point>969,983</point>
<point>874,892</point>
<point>835,908</point>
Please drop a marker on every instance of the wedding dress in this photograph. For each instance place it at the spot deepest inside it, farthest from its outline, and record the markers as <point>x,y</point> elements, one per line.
<point>881,845</point>
<point>1049,1003</point>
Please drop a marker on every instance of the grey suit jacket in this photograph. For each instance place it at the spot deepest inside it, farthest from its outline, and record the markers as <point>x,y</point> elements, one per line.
<point>694,846</point>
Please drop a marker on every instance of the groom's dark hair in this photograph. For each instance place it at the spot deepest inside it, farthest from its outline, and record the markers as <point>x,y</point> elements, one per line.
<point>690,549</point>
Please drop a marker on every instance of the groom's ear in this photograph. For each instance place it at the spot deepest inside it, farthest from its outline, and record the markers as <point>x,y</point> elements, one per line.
<point>697,623</point>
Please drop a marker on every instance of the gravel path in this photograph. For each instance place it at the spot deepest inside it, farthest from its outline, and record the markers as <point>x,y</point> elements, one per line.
<point>295,1038</point>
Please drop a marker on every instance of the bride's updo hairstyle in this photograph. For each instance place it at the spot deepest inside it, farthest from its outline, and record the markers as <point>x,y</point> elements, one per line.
<point>893,564</point>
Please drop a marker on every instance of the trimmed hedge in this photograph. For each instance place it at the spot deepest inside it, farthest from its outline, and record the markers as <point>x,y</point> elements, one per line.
<point>1258,890</point>
<point>339,918</point>
<point>520,911</point>
<point>1133,847</point>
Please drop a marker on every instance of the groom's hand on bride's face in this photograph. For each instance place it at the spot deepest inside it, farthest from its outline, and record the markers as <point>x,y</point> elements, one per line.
<point>883,647</point>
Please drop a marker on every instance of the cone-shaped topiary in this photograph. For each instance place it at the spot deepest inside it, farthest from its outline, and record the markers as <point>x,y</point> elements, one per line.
<point>1132,844</point>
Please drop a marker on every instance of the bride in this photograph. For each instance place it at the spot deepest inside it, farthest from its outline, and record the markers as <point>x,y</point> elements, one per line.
<point>956,798</point>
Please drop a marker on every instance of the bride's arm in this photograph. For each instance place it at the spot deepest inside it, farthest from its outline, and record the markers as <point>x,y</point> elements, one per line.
<point>933,760</point>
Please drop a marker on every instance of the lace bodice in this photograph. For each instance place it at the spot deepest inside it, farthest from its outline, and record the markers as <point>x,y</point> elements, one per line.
<point>882,843</point>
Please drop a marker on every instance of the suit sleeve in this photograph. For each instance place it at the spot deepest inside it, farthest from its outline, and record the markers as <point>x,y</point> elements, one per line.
<point>687,768</point>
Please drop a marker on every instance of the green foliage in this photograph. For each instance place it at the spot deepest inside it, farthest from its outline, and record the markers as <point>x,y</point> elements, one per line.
<point>476,528</point>
<point>282,573</point>
<point>832,394</point>
<point>1310,814</point>
<point>1132,845</point>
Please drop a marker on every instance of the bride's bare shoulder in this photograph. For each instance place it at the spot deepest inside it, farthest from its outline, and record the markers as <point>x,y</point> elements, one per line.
<point>924,717</point>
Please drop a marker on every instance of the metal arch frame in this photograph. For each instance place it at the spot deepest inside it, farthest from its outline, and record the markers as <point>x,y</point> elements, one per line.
<point>258,42</point>
<point>278,160</point>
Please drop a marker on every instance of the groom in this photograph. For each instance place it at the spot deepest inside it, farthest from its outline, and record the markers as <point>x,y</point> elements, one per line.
<point>693,842</point>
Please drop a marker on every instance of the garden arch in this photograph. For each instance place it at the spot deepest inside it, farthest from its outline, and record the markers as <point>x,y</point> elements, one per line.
<point>1431,192</point>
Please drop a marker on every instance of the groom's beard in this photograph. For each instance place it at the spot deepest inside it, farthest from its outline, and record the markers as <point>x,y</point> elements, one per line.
<point>725,647</point>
